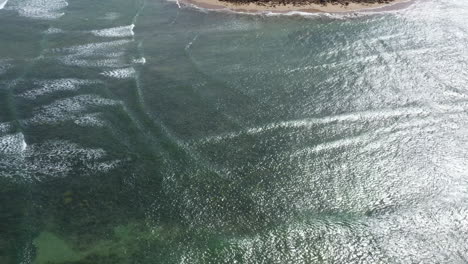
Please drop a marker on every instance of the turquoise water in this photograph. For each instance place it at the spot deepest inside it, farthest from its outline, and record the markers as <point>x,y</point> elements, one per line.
<point>139,132</point>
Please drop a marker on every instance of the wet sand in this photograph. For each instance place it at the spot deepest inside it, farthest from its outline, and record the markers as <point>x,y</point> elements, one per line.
<point>307,8</point>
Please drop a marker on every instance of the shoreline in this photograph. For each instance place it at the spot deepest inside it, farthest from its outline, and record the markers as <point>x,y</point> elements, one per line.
<point>252,8</point>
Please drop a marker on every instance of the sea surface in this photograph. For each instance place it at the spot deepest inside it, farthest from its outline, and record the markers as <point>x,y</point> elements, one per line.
<point>138,132</point>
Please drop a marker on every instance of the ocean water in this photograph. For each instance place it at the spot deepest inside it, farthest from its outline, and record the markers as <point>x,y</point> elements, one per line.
<point>135,131</point>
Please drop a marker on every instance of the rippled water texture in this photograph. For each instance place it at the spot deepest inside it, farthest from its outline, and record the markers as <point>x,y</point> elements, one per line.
<point>132,131</point>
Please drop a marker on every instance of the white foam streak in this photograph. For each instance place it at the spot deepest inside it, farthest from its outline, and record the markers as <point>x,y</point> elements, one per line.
<point>311,122</point>
<point>72,61</point>
<point>375,139</point>
<point>141,60</point>
<point>115,32</point>
<point>341,143</point>
<point>53,31</point>
<point>90,120</point>
<point>50,159</point>
<point>2,5</point>
<point>125,73</point>
<point>41,9</point>
<point>49,87</point>
<point>291,13</point>
<point>102,54</point>
<point>69,109</point>
<point>100,48</point>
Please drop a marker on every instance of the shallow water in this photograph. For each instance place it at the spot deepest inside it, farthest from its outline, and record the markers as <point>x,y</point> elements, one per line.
<point>138,132</point>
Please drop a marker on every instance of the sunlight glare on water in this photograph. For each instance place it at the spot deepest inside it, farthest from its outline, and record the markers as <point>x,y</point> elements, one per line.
<point>141,132</point>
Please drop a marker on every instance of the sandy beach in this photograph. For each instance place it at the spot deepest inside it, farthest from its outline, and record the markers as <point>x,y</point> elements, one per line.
<point>309,8</point>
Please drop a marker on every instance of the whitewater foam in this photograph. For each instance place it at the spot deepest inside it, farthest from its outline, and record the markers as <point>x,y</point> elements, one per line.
<point>41,9</point>
<point>5,128</point>
<point>12,144</point>
<point>52,86</point>
<point>53,30</point>
<point>105,166</point>
<point>98,48</point>
<point>111,63</point>
<point>115,32</point>
<point>2,5</point>
<point>90,120</point>
<point>68,109</point>
<point>101,54</point>
<point>141,60</point>
<point>60,156</point>
<point>125,73</point>
<point>51,159</point>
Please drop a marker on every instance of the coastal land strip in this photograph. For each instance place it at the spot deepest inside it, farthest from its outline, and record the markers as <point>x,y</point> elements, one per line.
<point>296,6</point>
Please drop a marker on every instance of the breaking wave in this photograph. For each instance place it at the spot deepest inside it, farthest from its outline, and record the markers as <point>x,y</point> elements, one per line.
<point>116,32</point>
<point>3,4</point>
<point>40,9</point>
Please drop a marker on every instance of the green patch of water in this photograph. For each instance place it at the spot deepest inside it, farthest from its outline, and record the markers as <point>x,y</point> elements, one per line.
<point>51,250</point>
<point>126,242</point>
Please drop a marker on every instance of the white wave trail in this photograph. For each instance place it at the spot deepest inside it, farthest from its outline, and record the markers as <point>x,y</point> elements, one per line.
<point>69,109</point>
<point>2,5</point>
<point>90,120</point>
<point>51,86</point>
<point>41,9</point>
<point>310,122</point>
<point>115,32</point>
<point>109,54</point>
<point>375,139</point>
<point>125,73</point>
<point>141,60</point>
<point>53,31</point>
<point>93,49</point>
<point>50,159</point>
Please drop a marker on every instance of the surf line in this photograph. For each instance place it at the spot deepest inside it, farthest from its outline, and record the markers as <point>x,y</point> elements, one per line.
<point>2,5</point>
